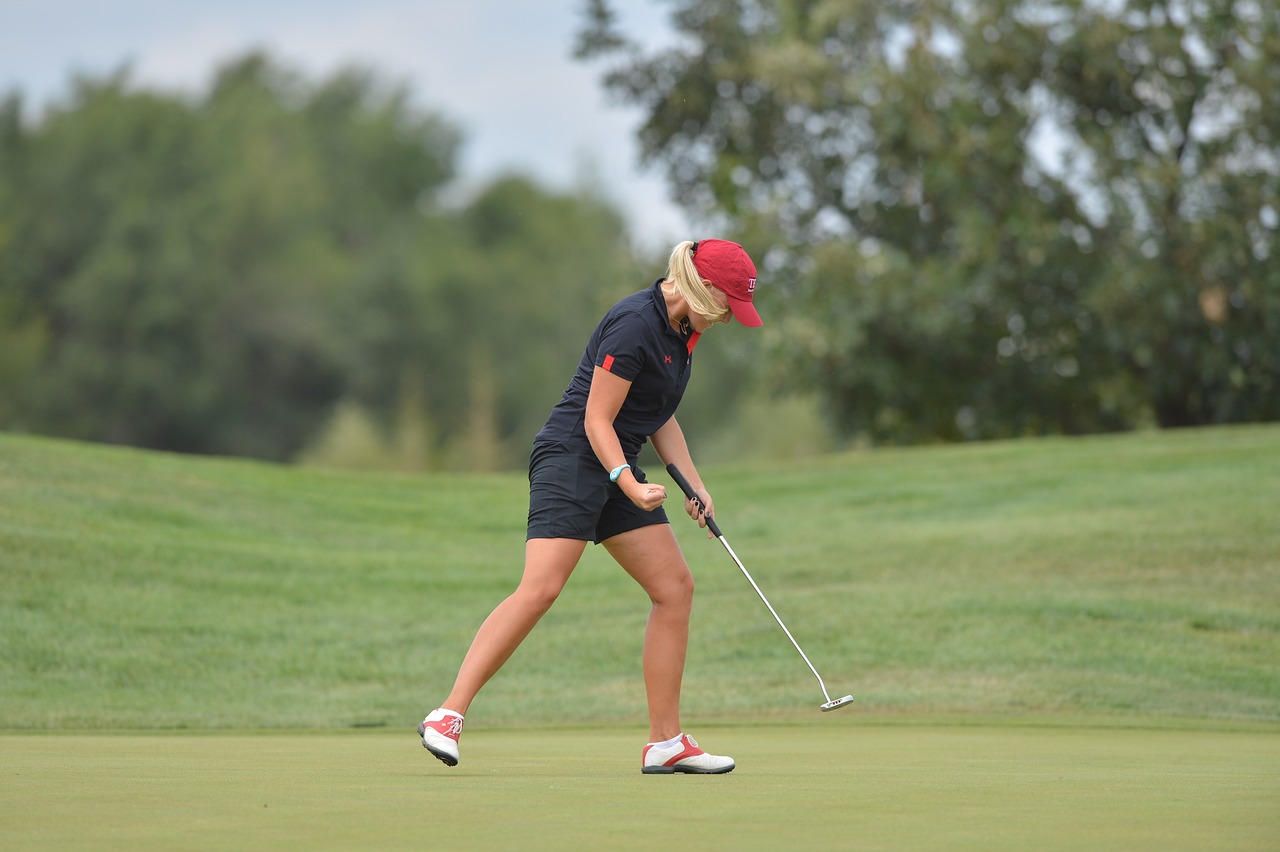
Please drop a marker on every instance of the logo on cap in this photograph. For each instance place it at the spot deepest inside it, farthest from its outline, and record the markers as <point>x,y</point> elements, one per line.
<point>751,285</point>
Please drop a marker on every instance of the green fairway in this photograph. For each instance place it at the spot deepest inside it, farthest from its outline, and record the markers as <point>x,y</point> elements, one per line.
<point>1117,575</point>
<point>1064,643</point>
<point>831,784</point>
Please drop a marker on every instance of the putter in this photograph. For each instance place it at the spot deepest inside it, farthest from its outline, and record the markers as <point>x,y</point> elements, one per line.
<point>715,530</point>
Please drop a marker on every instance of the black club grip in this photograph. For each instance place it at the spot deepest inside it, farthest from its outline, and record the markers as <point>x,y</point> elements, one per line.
<point>688,492</point>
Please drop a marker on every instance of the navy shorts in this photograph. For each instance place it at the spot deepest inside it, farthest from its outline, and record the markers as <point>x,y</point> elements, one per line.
<point>570,496</point>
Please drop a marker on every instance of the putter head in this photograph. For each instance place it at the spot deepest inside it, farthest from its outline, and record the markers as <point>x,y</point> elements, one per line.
<point>839,702</point>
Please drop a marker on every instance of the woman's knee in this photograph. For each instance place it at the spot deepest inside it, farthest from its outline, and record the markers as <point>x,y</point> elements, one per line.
<point>538,596</point>
<point>675,589</point>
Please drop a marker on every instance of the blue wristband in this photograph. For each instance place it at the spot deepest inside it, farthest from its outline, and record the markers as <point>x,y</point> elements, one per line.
<point>617,471</point>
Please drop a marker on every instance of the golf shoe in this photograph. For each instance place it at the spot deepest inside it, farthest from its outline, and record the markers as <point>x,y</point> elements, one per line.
<point>682,755</point>
<point>440,732</point>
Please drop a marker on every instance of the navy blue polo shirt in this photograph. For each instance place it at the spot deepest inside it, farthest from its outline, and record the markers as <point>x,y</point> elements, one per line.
<point>634,341</point>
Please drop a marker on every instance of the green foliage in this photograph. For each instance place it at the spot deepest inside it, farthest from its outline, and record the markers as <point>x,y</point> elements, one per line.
<point>260,269</point>
<point>185,254</point>
<point>775,428</point>
<point>940,279</point>
<point>352,440</point>
<point>1124,576</point>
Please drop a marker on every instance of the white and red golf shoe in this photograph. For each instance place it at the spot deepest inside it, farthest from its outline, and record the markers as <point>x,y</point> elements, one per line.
<point>682,754</point>
<point>440,732</point>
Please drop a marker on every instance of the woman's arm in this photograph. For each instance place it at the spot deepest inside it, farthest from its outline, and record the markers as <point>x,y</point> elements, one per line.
<point>671,447</point>
<point>604,401</point>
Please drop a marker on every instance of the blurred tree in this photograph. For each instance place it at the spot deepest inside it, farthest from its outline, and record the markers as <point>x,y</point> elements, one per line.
<point>177,261</point>
<point>491,303</point>
<point>23,326</point>
<point>267,269</point>
<point>1173,110</point>
<point>988,219</point>
<point>488,306</point>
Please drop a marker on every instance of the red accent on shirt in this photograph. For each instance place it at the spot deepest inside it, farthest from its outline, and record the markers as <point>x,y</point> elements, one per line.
<point>693,340</point>
<point>608,363</point>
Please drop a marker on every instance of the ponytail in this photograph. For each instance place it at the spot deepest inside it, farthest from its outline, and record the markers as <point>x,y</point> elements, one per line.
<point>688,282</point>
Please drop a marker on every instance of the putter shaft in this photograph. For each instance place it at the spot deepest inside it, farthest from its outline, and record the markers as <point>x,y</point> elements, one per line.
<point>715,530</point>
<point>774,613</point>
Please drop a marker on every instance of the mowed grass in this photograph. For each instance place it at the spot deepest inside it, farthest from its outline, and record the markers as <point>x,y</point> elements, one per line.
<point>1055,644</point>
<point>841,784</point>
<point>1129,576</point>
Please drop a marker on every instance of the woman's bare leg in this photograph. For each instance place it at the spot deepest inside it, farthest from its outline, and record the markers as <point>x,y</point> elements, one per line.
<point>653,558</point>
<point>548,562</point>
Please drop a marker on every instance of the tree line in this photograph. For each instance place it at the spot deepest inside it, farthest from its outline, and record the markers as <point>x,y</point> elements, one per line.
<point>971,221</point>
<point>270,269</point>
<point>988,219</point>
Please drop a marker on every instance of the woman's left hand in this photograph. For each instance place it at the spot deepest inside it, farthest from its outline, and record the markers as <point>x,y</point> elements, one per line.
<point>701,513</point>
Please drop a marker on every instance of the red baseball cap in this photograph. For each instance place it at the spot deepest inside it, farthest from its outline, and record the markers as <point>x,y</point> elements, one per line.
<point>730,270</point>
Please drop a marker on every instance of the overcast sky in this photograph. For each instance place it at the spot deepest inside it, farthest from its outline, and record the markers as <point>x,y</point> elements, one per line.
<point>501,70</point>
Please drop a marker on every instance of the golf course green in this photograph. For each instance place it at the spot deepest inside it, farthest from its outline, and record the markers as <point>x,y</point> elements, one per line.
<point>1054,644</point>
<point>841,784</point>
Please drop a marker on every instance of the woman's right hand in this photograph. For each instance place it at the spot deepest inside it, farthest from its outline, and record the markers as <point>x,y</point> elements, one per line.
<point>646,495</point>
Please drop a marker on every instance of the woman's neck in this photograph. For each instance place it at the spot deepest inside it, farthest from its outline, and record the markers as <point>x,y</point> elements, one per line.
<point>677,308</point>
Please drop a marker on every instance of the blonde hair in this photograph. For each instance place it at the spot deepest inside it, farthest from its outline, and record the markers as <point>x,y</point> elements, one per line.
<point>683,275</point>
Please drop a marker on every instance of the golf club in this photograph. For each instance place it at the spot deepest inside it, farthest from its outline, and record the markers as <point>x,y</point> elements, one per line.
<point>715,530</point>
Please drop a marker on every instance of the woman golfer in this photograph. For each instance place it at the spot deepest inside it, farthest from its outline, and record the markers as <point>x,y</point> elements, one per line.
<point>585,485</point>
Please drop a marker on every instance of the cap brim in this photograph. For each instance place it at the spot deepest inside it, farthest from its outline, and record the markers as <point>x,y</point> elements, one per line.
<point>745,313</point>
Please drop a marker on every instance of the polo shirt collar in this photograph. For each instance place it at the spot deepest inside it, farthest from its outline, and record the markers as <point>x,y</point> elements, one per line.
<point>690,339</point>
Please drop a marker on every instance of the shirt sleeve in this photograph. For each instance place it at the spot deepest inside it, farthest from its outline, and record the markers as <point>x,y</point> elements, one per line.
<point>621,349</point>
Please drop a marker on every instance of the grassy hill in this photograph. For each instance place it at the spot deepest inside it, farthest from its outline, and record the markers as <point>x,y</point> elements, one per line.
<point>1134,575</point>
